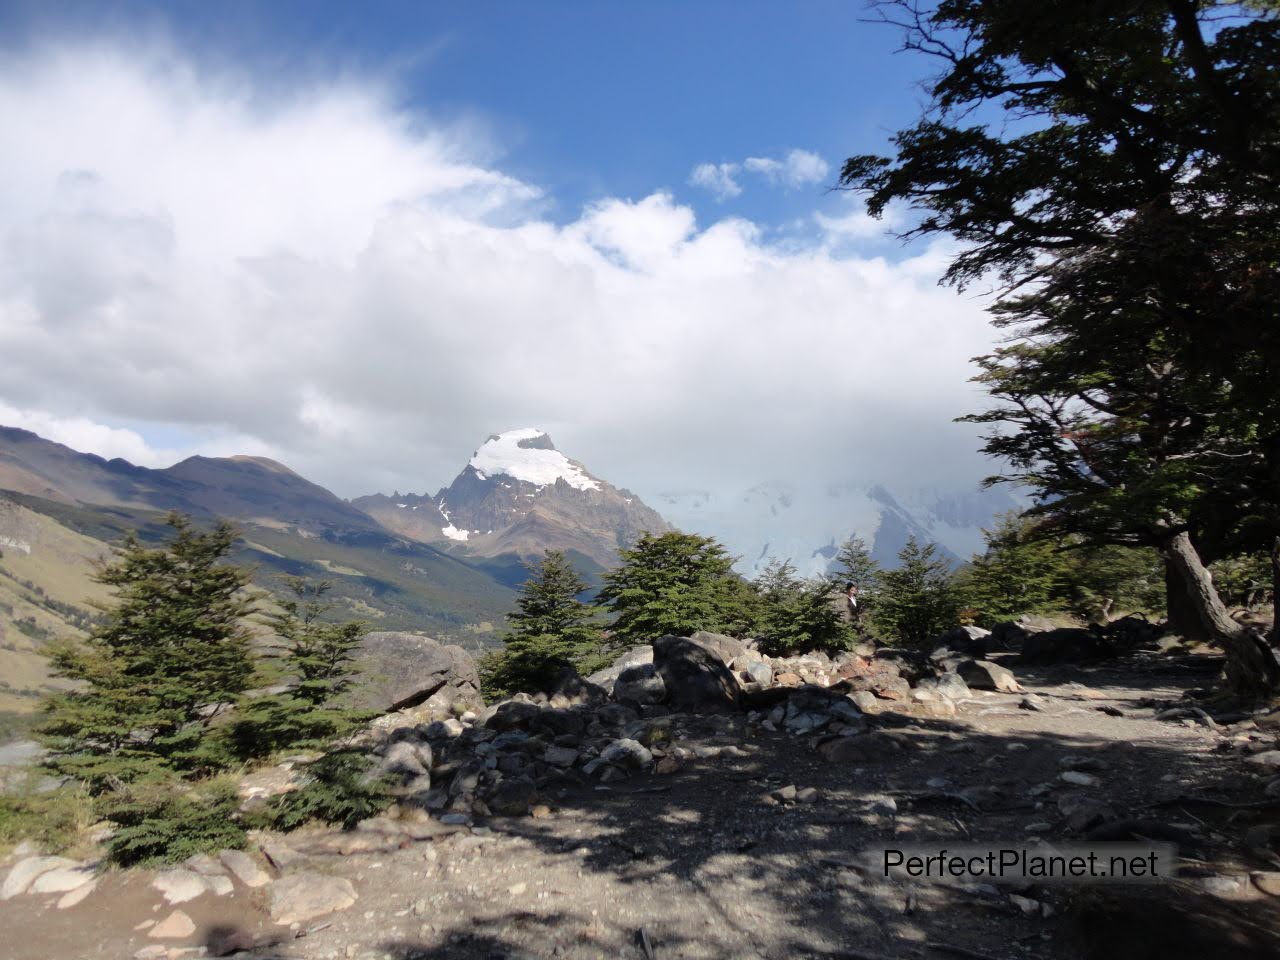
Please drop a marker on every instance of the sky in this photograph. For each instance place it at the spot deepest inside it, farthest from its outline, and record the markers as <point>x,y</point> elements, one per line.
<point>360,238</point>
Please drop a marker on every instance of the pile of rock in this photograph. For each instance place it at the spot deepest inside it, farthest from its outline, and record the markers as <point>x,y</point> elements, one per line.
<point>629,718</point>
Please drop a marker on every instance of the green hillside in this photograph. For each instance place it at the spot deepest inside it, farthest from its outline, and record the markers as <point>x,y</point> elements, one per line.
<point>49,549</point>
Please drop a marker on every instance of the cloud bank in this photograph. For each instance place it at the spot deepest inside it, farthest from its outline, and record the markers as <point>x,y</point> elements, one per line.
<point>192,261</point>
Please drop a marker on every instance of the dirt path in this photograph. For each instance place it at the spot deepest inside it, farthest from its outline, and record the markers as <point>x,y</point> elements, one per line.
<point>704,863</point>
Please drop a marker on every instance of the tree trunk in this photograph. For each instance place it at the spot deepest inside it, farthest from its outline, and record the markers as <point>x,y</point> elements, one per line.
<point>1252,668</point>
<point>1184,619</point>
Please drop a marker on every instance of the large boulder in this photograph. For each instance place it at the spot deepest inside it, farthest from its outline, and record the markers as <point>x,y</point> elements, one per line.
<point>985,675</point>
<point>400,670</point>
<point>642,684</point>
<point>968,640</point>
<point>726,648</point>
<point>1065,645</point>
<point>633,657</point>
<point>694,676</point>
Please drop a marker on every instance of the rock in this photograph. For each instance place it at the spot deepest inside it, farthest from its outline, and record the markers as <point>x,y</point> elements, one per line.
<point>1272,789</point>
<point>1065,645</point>
<point>788,679</point>
<point>62,879</point>
<point>405,760</point>
<point>864,748</point>
<point>950,686</point>
<point>666,765</point>
<point>753,670</point>
<point>634,657</point>
<point>885,806</point>
<point>1007,636</point>
<point>985,675</point>
<point>726,648</point>
<point>513,796</point>
<point>179,886</point>
<point>970,641</point>
<point>400,670</point>
<point>569,690</point>
<point>627,753</point>
<point>1131,632</point>
<point>642,684</point>
<point>244,867</point>
<point>561,756</point>
<point>695,678</point>
<point>1268,881</point>
<point>25,872</point>
<point>299,897</point>
<point>807,795</point>
<point>443,729</point>
<point>1268,758</point>
<point>511,715</point>
<point>1079,778</point>
<point>1085,813</point>
<point>865,701</point>
<point>176,926</point>
<point>1033,703</point>
<point>72,897</point>
<point>280,854</point>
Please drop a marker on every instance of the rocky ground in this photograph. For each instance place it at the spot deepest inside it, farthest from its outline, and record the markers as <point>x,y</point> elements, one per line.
<point>673,833</point>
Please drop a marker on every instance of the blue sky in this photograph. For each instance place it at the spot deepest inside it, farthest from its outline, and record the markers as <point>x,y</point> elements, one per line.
<point>587,99</point>
<point>360,238</point>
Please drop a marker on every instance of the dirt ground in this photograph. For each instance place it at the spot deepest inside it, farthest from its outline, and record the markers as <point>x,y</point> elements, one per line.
<point>704,863</point>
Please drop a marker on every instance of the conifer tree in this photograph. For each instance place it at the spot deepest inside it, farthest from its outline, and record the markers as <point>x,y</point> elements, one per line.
<point>318,657</point>
<point>916,602</point>
<point>672,583</point>
<point>551,629</point>
<point>797,615</point>
<point>1017,574</point>
<point>172,653</point>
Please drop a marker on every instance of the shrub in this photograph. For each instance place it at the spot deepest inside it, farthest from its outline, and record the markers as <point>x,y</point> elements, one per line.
<point>54,820</point>
<point>339,790</point>
<point>161,823</point>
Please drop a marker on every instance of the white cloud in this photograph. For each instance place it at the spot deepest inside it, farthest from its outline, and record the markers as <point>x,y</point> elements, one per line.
<point>319,277</point>
<point>718,178</point>
<point>797,169</point>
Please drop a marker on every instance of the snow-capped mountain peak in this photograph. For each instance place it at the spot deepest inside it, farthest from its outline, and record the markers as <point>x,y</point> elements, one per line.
<point>529,455</point>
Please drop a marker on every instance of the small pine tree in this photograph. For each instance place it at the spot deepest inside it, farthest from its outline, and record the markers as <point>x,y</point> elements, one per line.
<point>1019,573</point>
<point>150,679</point>
<point>318,657</point>
<point>551,629</point>
<point>916,601</point>
<point>673,583</point>
<point>797,615</point>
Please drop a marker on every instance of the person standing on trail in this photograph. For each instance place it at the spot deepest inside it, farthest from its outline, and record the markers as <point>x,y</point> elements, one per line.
<point>851,594</point>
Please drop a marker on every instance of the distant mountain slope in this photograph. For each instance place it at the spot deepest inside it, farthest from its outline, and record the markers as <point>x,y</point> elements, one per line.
<point>289,524</point>
<point>517,497</point>
<point>46,591</point>
<point>239,488</point>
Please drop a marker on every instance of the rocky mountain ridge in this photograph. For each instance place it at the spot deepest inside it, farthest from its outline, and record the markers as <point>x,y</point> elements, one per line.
<point>519,496</point>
